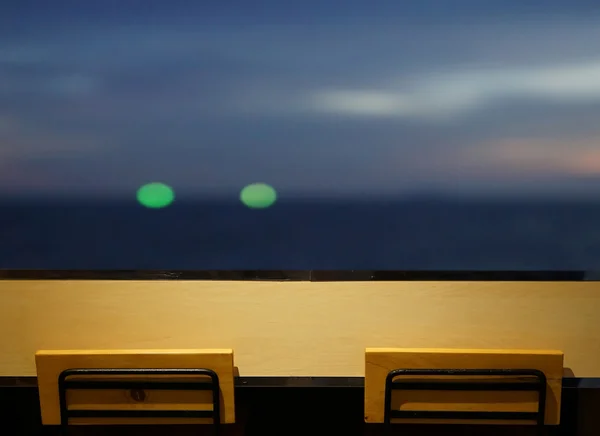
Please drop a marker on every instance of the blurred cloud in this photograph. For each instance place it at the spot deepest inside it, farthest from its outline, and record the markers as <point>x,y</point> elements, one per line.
<point>22,141</point>
<point>49,86</point>
<point>328,106</point>
<point>459,92</point>
<point>73,84</point>
<point>576,157</point>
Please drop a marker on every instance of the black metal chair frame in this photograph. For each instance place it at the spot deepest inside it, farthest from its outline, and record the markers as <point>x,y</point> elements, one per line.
<point>64,385</point>
<point>535,381</point>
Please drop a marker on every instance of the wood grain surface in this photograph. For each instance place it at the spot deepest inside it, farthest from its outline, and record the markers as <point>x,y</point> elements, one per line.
<point>298,328</point>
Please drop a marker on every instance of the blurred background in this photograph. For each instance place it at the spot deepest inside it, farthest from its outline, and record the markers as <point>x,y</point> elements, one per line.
<point>413,135</point>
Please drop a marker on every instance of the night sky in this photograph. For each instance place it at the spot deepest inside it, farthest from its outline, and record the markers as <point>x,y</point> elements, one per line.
<point>317,98</point>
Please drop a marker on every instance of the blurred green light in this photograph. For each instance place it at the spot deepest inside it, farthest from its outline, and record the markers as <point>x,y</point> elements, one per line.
<point>155,195</point>
<point>258,196</point>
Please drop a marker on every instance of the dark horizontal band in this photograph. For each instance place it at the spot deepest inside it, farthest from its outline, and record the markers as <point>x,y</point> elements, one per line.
<point>306,275</point>
<point>303,382</point>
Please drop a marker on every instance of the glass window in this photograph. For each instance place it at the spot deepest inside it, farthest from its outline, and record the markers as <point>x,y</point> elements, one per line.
<point>338,134</point>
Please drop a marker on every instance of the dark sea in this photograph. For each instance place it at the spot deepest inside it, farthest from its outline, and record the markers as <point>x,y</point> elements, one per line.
<point>411,234</point>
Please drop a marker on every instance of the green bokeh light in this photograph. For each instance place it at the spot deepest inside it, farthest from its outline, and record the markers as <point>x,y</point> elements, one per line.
<point>155,195</point>
<point>258,196</point>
